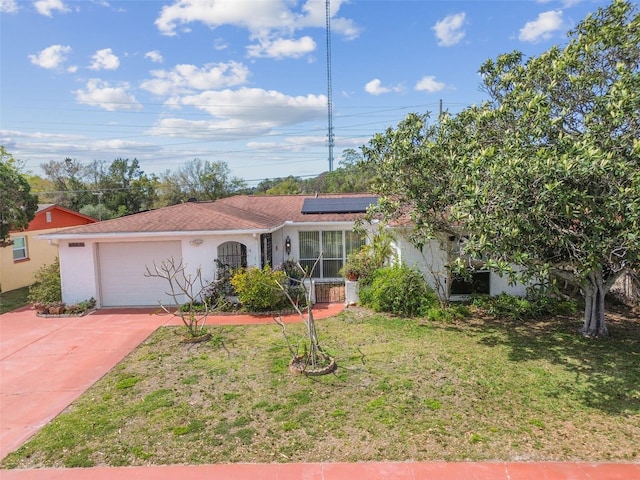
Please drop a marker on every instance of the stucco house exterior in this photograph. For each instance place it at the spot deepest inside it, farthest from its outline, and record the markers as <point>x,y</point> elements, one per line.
<point>20,261</point>
<point>108,260</point>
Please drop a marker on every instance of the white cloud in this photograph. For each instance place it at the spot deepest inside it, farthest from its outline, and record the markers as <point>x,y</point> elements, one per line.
<point>543,27</point>
<point>8,6</point>
<point>290,144</point>
<point>282,47</point>
<point>220,44</point>
<point>242,113</point>
<point>261,17</point>
<point>259,105</point>
<point>429,84</point>
<point>374,87</point>
<point>105,60</point>
<point>211,130</point>
<point>101,94</point>
<point>51,57</point>
<point>47,7</point>
<point>315,13</point>
<point>154,56</point>
<point>184,78</point>
<point>449,31</point>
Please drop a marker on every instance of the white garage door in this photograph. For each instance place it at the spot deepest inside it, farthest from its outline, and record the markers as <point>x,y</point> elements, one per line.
<point>122,269</point>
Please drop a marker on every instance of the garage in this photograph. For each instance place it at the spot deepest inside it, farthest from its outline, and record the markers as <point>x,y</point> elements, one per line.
<point>122,267</point>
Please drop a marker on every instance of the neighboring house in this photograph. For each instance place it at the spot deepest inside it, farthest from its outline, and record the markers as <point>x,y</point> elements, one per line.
<point>108,260</point>
<point>20,261</point>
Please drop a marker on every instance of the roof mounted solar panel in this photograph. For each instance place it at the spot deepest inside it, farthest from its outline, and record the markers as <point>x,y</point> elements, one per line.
<point>338,205</point>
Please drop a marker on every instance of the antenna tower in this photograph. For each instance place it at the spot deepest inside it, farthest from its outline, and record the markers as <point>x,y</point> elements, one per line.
<point>329,90</point>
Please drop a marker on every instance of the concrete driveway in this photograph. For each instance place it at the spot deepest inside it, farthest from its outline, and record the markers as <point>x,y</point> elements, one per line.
<point>46,363</point>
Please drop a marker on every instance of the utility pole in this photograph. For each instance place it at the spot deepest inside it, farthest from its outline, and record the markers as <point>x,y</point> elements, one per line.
<point>329,88</point>
<point>99,195</point>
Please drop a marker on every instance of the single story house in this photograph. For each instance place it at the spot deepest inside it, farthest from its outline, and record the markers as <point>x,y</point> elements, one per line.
<point>108,260</point>
<point>21,260</point>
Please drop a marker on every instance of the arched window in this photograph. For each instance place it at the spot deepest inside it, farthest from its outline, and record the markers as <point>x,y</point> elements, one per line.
<point>231,256</point>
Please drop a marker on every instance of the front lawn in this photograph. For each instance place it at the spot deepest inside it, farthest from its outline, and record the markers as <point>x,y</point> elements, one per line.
<point>14,299</point>
<point>475,389</point>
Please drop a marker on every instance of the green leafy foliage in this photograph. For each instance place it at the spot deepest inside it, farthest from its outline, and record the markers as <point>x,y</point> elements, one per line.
<point>447,313</point>
<point>399,290</point>
<point>47,288</point>
<point>534,306</point>
<point>17,204</point>
<point>544,174</point>
<point>200,179</point>
<point>359,265</point>
<point>257,288</point>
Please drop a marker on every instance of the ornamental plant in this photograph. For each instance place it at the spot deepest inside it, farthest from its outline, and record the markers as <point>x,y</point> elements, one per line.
<point>400,290</point>
<point>47,289</point>
<point>257,288</point>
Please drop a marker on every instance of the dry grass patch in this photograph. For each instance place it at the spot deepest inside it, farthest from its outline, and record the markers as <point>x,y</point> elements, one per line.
<point>404,390</point>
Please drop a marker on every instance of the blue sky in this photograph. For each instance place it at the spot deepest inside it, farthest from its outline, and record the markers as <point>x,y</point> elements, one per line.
<point>245,81</point>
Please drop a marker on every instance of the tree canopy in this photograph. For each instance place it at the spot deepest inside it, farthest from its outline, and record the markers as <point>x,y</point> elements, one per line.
<point>199,179</point>
<point>545,174</point>
<point>17,204</point>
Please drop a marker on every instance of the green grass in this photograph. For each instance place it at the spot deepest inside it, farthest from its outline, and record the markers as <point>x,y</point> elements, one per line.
<point>14,299</point>
<point>405,389</point>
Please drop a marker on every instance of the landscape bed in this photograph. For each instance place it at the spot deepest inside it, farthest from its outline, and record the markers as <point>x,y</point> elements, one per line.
<point>405,389</point>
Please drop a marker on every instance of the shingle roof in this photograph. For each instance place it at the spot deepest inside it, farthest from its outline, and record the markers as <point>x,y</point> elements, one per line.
<point>241,212</point>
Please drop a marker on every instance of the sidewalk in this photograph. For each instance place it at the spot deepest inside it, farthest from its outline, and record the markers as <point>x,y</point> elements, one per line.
<point>343,471</point>
<point>45,364</point>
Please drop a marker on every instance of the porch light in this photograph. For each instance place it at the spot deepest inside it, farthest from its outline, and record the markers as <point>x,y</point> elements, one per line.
<point>287,245</point>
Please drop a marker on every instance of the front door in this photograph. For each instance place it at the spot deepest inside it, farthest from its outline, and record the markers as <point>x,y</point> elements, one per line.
<point>266,250</point>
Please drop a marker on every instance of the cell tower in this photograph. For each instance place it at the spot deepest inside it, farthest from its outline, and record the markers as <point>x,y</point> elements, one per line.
<point>329,91</point>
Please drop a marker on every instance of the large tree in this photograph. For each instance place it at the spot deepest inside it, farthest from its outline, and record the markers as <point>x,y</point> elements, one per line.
<point>67,176</point>
<point>17,204</point>
<point>546,173</point>
<point>199,180</point>
<point>126,188</point>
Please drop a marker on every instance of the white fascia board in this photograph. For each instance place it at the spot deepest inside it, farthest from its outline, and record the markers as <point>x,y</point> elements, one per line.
<point>184,233</point>
<point>125,235</point>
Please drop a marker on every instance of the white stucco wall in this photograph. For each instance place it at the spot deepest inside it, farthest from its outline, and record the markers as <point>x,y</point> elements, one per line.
<point>203,254</point>
<point>430,261</point>
<point>78,272</point>
<point>501,285</point>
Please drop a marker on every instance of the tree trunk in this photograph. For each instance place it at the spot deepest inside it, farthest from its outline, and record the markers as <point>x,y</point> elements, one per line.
<point>594,319</point>
<point>314,344</point>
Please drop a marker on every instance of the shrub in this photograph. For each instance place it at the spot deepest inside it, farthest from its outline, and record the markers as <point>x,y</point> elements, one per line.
<point>216,298</point>
<point>445,314</point>
<point>399,290</point>
<point>292,269</point>
<point>537,304</point>
<point>47,289</point>
<point>258,289</point>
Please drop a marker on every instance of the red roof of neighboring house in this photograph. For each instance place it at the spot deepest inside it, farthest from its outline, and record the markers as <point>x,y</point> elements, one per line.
<point>241,212</point>
<point>59,217</point>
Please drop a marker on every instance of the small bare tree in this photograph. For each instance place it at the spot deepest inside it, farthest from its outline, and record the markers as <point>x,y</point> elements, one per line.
<point>314,360</point>
<point>189,293</point>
